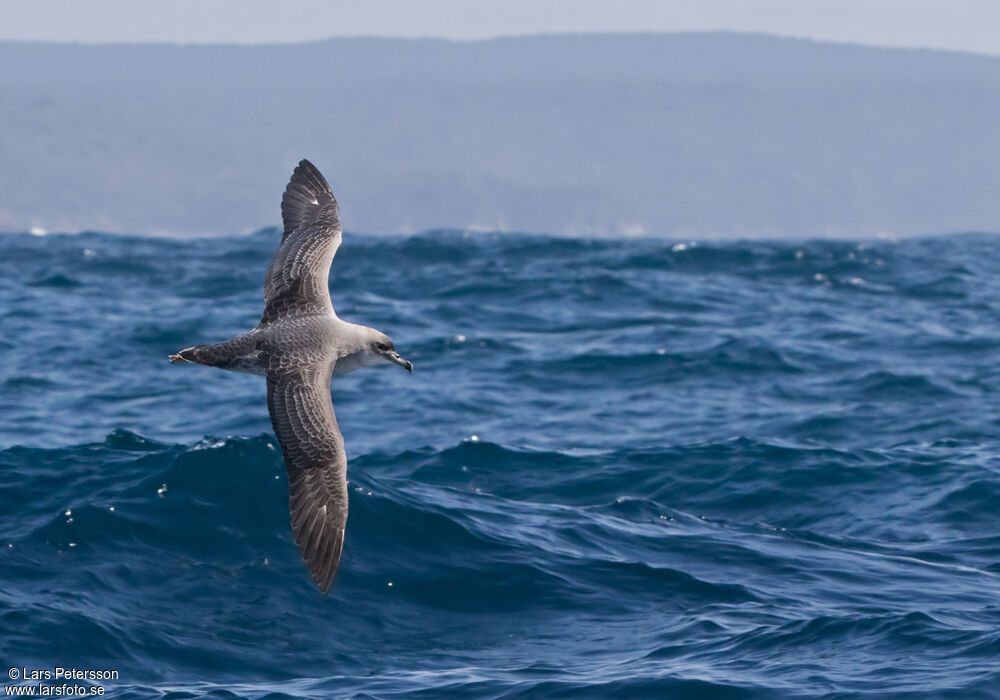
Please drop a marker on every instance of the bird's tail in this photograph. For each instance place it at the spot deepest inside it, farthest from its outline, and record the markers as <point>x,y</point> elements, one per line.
<point>195,353</point>
<point>241,354</point>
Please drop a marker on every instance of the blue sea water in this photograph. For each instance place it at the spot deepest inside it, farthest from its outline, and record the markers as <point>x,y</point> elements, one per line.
<point>636,469</point>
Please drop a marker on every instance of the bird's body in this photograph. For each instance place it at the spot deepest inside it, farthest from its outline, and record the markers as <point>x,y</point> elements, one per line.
<point>296,341</point>
<point>298,346</point>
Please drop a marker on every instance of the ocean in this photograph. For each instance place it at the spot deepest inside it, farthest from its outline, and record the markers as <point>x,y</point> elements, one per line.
<point>620,469</point>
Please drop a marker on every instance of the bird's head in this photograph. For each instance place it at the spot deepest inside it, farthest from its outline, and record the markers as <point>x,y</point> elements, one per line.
<point>380,346</point>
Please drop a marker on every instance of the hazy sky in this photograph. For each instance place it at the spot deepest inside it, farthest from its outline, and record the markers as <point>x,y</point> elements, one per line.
<point>969,25</point>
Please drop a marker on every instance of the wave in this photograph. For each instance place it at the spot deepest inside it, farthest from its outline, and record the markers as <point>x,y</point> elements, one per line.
<point>646,468</point>
<point>475,529</point>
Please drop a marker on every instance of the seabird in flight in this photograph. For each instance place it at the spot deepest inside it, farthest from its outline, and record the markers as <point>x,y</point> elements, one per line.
<point>299,344</point>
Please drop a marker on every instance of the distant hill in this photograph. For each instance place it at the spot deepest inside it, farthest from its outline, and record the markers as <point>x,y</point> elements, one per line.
<point>692,135</point>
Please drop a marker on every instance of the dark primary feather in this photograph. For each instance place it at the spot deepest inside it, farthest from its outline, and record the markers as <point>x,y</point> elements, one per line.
<point>297,278</point>
<point>307,199</point>
<point>303,419</point>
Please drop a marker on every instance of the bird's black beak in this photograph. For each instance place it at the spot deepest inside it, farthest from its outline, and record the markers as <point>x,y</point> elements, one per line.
<point>395,359</point>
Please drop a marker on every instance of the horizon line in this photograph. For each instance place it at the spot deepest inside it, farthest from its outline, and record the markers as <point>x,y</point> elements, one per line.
<point>495,38</point>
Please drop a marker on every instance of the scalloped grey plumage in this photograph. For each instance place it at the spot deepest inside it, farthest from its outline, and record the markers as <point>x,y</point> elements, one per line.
<point>299,344</point>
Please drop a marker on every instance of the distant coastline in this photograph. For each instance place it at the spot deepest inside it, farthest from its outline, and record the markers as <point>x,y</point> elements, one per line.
<point>689,135</point>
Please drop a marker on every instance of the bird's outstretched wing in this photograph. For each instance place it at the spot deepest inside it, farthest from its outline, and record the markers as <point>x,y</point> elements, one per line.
<point>298,276</point>
<point>303,419</point>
